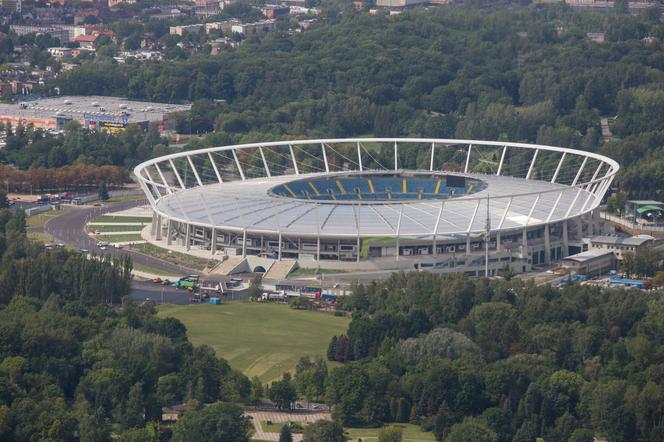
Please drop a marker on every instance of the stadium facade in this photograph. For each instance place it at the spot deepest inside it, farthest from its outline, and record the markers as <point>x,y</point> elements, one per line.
<point>462,206</point>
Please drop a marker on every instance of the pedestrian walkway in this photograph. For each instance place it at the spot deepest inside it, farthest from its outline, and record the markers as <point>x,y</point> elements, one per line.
<point>277,416</point>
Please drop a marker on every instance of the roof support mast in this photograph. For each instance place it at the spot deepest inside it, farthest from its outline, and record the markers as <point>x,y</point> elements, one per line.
<point>267,169</point>
<point>359,156</point>
<point>433,149</point>
<point>327,165</point>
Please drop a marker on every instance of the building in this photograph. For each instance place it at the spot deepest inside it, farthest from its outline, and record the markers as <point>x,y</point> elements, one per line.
<point>55,32</point>
<point>597,37</point>
<point>590,263</point>
<point>60,53</point>
<point>257,28</point>
<point>93,112</point>
<point>185,29</point>
<point>399,3</point>
<point>86,41</point>
<point>351,213</point>
<point>275,11</point>
<point>113,3</point>
<point>10,6</point>
<point>620,244</point>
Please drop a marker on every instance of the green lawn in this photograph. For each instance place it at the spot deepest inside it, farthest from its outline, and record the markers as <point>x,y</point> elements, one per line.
<point>122,219</point>
<point>189,261</point>
<point>40,219</point>
<point>275,427</point>
<point>152,270</point>
<point>411,433</point>
<point>121,198</point>
<point>261,340</point>
<point>115,228</point>
<point>120,238</point>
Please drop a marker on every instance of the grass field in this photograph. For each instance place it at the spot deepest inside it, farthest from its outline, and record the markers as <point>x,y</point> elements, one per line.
<point>115,228</point>
<point>275,427</point>
<point>118,199</point>
<point>192,262</point>
<point>40,219</point>
<point>120,238</point>
<point>152,270</point>
<point>261,340</point>
<point>411,433</point>
<point>122,219</point>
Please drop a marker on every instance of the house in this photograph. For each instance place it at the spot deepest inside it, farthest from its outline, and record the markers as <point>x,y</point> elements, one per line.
<point>86,41</point>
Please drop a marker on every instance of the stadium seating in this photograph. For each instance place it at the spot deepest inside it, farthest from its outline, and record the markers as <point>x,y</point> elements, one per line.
<point>377,187</point>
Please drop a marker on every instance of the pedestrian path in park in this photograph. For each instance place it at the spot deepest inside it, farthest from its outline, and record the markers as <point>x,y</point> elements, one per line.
<point>275,416</point>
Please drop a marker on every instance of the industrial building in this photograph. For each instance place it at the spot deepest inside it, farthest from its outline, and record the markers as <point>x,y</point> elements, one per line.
<point>93,112</point>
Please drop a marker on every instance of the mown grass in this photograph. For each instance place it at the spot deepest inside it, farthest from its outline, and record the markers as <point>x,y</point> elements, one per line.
<point>115,228</point>
<point>263,340</point>
<point>40,219</point>
<point>411,433</point>
<point>192,262</point>
<point>109,219</point>
<point>119,238</point>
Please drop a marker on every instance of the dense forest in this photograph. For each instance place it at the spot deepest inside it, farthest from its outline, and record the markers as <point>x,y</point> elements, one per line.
<point>519,74</point>
<point>496,361</point>
<point>80,361</point>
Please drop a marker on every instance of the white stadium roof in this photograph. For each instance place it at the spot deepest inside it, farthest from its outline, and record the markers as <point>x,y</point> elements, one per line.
<point>524,185</point>
<point>246,204</point>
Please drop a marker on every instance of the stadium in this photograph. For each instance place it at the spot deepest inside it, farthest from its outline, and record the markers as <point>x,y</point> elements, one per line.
<point>378,204</point>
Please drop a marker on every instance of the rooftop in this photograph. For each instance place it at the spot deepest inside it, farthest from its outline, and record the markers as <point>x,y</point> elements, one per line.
<point>77,106</point>
<point>622,240</point>
<point>588,255</point>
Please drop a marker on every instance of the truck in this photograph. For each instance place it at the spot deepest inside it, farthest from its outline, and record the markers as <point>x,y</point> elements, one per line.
<point>273,296</point>
<point>184,284</point>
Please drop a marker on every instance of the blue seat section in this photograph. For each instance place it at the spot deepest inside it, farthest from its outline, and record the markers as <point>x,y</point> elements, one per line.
<point>382,184</point>
<point>384,188</point>
<point>350,184</point>
<point>325,186</point>
<point>426,185</point>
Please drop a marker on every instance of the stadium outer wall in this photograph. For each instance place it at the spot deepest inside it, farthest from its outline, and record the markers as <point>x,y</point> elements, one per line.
<point>537,203</point>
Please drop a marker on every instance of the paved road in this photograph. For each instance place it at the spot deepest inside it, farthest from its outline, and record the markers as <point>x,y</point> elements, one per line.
<point>69,228</point>
<point>141,290</point>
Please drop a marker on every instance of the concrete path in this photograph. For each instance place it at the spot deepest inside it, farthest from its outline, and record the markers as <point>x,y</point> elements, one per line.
<point>276,416</point>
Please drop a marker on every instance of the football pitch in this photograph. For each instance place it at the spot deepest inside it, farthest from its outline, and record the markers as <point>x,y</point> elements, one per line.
<point>258,339</point>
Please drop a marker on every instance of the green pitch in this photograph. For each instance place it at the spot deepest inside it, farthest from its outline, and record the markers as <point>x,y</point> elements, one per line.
<point>261,340</point>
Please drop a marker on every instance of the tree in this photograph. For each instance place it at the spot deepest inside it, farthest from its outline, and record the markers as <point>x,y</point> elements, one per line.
<point>4,202</point>
<point>282,392</point>
<point>255,289</point>
<point>324,431</point>
<point>471,430</point>
<point>616,202</point>
<point>285,434</point>
<point>310,377</point>
<point>134,408</point>
<point>257,391</point>
<point>103,192</point>
<point>390,433</point>
<point>332,349</point>
<point>220,422</point>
